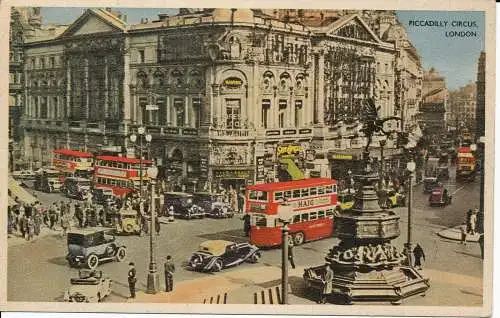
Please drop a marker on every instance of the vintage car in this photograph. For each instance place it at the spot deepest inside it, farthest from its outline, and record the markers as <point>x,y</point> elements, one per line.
<point>430,183</point>
<point>439,197</point>
<point>213,204</point>
<point>128,222</point>
<point>102,195</point>
<point>183,205</point>
<point>89,287</point>
<point>76,188</point>
<point>345,200</point>
<point>48,180</point>
<point>215,255</point>
<point>90,247</point>
<point>391,198</point>
<point>442,173</point>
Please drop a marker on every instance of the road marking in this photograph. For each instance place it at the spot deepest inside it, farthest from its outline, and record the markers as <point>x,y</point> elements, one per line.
<point>458,190</point>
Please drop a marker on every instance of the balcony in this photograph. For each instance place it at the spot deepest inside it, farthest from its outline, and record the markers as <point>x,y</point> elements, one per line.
<point>76,126</point>
<point>234,134</point>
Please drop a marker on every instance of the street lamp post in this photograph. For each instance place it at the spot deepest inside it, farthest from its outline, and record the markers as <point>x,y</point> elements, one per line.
<point>410,166</point>
<point>349,183</point>
<point>153,277</point>
<point>284,213</point>
<point>141,131</point>
<point>382,143</point>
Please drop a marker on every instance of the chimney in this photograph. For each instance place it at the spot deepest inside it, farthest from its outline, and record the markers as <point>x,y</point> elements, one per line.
<point>146,20</point>
<point>163,17</point>
<point>108,9</point>
<point>124,18</point>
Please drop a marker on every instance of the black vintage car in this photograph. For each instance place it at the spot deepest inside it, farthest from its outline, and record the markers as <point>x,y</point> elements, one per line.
<point>213,204</point>
<point>76,188</point>
<point>215,255</point>
<point>183,205</point>
<point>102,195</point>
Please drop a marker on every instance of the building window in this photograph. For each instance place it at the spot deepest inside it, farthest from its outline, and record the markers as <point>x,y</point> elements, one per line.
<point>196,111</point>
<point>32,62</point>
<point>142,57</point>
<point>42,62</point>
<point>298,112</point>
<point>233,113</point>
<point>282,109</point>
<point>266,105</point>
<point>55,108</point>
<point>52,62</point>
<point>43,107</point>
<point>179,112</point>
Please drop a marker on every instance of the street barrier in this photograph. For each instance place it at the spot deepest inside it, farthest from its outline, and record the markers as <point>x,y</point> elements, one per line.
<point>217,300</point>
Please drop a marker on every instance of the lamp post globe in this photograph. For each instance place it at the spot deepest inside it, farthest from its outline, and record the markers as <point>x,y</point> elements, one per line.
<point>473,147</point>
<point>133,138</point>
<point>148,138</point>
<point>141,130</point>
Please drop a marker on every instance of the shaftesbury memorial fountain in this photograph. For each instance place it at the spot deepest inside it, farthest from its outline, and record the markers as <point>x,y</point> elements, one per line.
<point>366,266</point>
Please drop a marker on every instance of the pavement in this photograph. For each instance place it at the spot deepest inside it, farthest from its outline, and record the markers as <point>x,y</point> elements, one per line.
<point>238,287</point>
<point>455,234</point>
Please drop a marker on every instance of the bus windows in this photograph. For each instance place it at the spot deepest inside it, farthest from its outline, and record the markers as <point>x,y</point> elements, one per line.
<point>328,189</point>
<point>258,195</point>
<point>278,196</point>
<point>321,214</point>
<point>296,218</point>
<point>313,216</point>
<point>313,191</point>
<point>304,192</point>
<point>321,190</point>
<point>334,187</point>
<point>304,217</point>
<point>296,193</point>
<point>260,221</point>
<point>329,213</point>
<point>287,194</point>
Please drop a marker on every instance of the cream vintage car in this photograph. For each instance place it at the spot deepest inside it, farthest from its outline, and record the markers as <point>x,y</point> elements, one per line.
<point>89,287</point>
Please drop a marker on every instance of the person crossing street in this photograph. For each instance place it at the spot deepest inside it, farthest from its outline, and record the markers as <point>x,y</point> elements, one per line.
<point>132,279</point>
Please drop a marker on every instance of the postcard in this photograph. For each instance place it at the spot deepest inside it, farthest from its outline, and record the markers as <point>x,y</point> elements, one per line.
<point>257,157</point>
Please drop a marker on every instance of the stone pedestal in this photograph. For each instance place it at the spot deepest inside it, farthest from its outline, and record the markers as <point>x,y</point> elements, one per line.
<point>366,266</point>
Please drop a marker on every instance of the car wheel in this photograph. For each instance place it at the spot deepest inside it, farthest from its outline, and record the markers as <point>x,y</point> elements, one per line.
<point>298,238</point>
<point>120,254</point>
<point>217,266</point>
<point>254,258</point>
<point>92,261</point>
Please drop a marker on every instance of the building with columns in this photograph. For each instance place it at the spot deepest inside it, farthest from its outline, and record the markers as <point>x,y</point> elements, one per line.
<point>434,105</point>
<point>239,96</point>
<point>462,103</point>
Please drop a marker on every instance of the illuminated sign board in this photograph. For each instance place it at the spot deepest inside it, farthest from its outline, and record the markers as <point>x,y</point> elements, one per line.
<point>233,82</point>
<point>300,204</point>
<point>288,150</point>
<point>111,172</point>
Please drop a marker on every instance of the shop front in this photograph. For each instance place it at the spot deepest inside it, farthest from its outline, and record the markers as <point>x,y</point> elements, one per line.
<point>341,163</point>
<point>232,178</point>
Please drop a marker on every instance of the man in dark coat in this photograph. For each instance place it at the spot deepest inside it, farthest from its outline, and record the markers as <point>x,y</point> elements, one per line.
<point>132,279</point>
<point>246,224</point>
<point>157,225</point>
<point>169,268</point>
<point>418,254</point>
<point>327,280</point>
<point>79,215</point>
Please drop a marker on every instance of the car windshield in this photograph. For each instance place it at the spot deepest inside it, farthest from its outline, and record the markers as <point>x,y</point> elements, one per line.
<point>85,183</point>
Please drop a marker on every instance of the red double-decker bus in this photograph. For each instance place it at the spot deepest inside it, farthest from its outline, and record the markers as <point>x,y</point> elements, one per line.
<point>310,207</point>
<point>120,174</point>
<point>73,163</point>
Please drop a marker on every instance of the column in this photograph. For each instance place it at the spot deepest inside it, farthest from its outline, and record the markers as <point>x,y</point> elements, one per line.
<point>87,95</point>
<point>186,112</point>
<point>27,102</point>
<point>106,88</point>
<point>168,110</point>
<point>291,111</point>
<point>126,80</point>
<point>38,112</point>
<point>68,89</point>
<point>215,107</point>
<point>274,111</point>
<point>321,88</point>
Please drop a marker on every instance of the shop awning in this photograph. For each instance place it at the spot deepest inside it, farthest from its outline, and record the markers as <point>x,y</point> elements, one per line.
<point>17,191</point>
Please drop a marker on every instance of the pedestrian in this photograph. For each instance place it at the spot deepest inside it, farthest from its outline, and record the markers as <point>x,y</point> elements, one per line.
<point>157,225</point>
<point>52,218</point>
<point>31,229</point>
<point>79,215</point>
<point>418,254</point>
<point>169,268</point>
<point>241,202</point>
<point>246,224</point>
<point>38,221</point>
<point>65,224</point>
<point>9,219</point>
<point>472,222</point>
<point>171,214</point>
<point>23,225</point>
<point>327,283</point>
<point>463,233</point>
<point>290,254</point>
<point>132,279</point>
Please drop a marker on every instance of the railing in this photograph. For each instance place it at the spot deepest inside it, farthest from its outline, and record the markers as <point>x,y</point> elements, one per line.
<point>285,132</point>
<point>231,133</point>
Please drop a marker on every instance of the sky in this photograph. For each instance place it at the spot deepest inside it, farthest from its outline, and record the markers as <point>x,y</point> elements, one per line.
<point>453,57</point>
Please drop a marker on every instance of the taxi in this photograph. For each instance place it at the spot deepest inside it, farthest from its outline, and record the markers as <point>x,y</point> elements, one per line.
<point>345,200</point>
<point>440,197</point>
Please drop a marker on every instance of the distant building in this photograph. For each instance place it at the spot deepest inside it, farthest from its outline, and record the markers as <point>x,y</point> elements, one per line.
<point>241,96</point>
<point>434,103</point>
<point>462,103</point>
<point>480,105</point>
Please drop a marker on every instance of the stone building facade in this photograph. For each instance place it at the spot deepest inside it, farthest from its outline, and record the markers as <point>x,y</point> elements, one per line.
<point>434,105</point>
<point>463,107</point>
<point>239,96</point>
<point>480,104</point>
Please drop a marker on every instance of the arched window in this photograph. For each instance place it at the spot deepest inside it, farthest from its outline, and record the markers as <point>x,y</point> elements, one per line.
<point>159,79</point>
<point>142,80</point>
